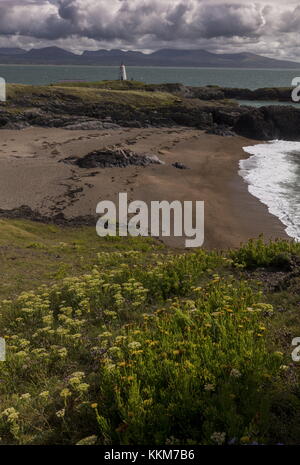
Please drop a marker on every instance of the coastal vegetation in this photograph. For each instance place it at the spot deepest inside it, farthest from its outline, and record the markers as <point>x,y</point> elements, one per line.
<point>87,93</point>
<point>124,341</point>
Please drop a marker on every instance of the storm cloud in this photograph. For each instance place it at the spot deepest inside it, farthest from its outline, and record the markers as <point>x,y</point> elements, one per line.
<point>261,27</point>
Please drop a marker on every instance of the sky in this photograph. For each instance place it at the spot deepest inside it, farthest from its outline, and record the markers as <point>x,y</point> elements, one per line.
<point>269,28</point>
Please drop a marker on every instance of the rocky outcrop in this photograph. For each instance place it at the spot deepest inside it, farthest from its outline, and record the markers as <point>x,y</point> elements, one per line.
<point>223,131</point>
<point>113,158</point>
<point>179,166</point>
<point>279,94</point>
<point>267,123</point>
<point>266,94</point>
<point>25,212</point>
<point>91,125</point>
<point>218,116</point>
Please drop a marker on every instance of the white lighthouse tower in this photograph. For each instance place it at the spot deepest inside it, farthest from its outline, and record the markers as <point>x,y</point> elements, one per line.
<point>123,74</point>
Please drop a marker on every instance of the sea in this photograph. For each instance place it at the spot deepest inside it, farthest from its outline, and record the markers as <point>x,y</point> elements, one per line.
<point>272,170</point>
<point>227,77</point>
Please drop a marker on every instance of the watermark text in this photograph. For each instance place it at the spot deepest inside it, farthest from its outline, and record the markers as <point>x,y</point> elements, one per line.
<point>2,350</point>
<point>161,219</point>
<point>2,90</point>
<point>296,90</point>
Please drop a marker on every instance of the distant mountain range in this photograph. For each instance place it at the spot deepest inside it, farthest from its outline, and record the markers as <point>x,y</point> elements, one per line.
<point>164,57</point>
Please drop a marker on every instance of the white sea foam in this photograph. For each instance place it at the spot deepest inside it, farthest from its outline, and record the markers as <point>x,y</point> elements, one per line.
<point>273,175</point>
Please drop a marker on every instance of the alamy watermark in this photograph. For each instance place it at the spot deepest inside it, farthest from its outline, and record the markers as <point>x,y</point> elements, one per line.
<point>2,90</point>
<point>296,352</point>
<point>162,219</point>
<point>296,90</point>
<point>2,350</point>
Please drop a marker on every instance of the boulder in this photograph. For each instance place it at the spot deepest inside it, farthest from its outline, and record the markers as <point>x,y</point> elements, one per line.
<point>180,166</point>
<point>113,158</point>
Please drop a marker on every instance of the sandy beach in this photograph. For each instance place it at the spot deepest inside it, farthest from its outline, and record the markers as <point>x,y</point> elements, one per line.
<point>32,173</point>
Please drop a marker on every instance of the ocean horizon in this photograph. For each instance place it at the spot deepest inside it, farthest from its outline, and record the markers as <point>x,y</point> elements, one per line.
<point>226,77</point>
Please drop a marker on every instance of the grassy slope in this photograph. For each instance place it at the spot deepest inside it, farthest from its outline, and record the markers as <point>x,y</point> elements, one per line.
<point>135,95</point>
<point>32,253</point>
<point>84,93</point>
<point>111,85</point>
<point>185,350</point>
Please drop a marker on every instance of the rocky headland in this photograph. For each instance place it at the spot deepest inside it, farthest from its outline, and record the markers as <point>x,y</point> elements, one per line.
<point>111,105</point>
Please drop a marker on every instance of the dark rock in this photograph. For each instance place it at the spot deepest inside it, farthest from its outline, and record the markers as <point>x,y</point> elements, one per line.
<point>205,93</point>
<point>267,123</point>
<point>112,158</point>
<point>91,125</point>
<point>220,93</point>
<point>272,93</point>
<point>180,166</point>
<point>25,212</point>
<point>283,122</point>
<point>131,124</point>
<point>223,131</point>
<point>201,118</point>
<point>16,125</point>
<point>227,116</point>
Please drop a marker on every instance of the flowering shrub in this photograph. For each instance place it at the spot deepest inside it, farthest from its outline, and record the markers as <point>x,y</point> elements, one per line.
<point>147,348</point>
<point>256,253</point>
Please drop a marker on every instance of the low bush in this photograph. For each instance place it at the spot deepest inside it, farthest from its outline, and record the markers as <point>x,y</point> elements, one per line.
<point>171,353</point>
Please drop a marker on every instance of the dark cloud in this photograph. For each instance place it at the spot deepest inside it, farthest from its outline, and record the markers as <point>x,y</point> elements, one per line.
<point>39,19</point>
<point>229,20</point>
<point>290,20</point>
<point>259,26</point>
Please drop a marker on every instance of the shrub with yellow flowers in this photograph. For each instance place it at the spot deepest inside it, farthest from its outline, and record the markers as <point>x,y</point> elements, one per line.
<point>134,354</point>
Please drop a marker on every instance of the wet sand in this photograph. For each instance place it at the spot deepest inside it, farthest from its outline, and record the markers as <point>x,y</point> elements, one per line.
<point>32,174</point>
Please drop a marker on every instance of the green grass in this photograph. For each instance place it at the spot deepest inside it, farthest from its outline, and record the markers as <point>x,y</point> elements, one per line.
<point>134,95</point>
<point>109,85</point>
<point>121,341</point>
<point>32,253</point>
<point>36,95</point>
<point>277,254</point>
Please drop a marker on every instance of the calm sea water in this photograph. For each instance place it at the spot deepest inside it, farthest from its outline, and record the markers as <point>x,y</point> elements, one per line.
<point>229,77</point>
<point>263,103</point>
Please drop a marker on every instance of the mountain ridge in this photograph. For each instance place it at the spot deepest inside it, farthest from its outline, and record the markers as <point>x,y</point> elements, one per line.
<point>164,57</point>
